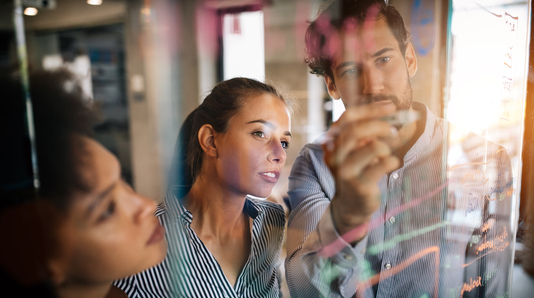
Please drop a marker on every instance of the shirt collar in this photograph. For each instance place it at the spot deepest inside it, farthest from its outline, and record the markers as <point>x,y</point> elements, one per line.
<point>177,210</point>
<point>426,137</point>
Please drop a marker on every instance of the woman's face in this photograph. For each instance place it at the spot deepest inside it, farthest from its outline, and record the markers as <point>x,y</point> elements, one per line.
<point>252,152</point>
<point>115,231</point>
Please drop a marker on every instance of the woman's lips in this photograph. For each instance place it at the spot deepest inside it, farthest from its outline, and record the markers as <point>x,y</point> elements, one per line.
<point>270,176</point>
<point>157,235</point>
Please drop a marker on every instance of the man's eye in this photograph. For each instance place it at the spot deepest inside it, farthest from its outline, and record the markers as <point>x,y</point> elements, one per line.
<point>285,144</point>
<point>110,210</point>
<point>383,59</point>
<point>259,134</point>
<point>349,72</point>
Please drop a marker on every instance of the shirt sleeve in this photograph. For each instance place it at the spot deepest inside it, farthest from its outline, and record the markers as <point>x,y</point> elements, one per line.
<point>309,272</point>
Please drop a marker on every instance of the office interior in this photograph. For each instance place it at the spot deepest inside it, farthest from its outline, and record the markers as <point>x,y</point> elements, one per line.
<point>148,63</point>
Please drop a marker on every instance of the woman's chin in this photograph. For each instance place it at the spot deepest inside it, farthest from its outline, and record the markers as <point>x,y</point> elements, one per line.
<point>262,194</point>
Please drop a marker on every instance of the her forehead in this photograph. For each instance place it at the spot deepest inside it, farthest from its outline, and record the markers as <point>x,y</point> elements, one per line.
<point>265,105</point>
<point>98,166</point>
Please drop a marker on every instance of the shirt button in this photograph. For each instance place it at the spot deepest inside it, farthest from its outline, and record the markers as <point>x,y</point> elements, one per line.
<point>387,266</point>
<point>348,257</point>
<point>395,175</point>
<point>392,219</point>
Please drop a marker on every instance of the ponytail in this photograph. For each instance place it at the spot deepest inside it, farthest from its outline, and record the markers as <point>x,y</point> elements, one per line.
<point>181,176</point>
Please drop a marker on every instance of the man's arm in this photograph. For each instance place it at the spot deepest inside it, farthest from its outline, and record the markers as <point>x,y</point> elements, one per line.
<point>309,272</point>
<point>333,191</point>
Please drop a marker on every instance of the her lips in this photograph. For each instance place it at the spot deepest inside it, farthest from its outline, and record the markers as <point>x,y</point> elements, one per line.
<point>271,176</point>
<point>157,235</point>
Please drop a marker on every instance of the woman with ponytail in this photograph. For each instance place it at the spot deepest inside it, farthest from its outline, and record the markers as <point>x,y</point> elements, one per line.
<point>222,242</point>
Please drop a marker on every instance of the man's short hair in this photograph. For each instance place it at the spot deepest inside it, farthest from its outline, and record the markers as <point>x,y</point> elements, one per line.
<point>336,16</point>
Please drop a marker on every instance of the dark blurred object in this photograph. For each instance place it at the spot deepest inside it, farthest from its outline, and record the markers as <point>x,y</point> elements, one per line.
<point>56,119</point>
<point>43,4</point>
<point>16,175</point>
<point>34,235</point>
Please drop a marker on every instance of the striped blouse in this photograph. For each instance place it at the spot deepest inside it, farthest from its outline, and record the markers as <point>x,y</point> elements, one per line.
<point>190,270</point>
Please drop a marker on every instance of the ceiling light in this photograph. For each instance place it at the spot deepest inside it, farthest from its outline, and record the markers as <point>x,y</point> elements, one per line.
<point>94,2</point>
<point>30,11</point>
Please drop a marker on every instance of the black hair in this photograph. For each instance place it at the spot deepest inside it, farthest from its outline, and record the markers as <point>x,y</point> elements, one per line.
<point>224,101</point>
<point>335,17</point>
<point>31,223</point>
<point>60,111</point>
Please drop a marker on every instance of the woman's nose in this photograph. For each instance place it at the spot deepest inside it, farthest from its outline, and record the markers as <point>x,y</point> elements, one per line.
<point>278,153</point>
<point>145,208</point>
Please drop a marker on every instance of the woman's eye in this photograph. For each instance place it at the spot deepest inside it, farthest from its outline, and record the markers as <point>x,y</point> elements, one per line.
<point>259,134</point>
<point>110,210</point>
<point>285,144</point>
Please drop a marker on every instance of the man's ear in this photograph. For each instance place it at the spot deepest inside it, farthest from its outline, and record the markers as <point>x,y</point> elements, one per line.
<point>331,86</point>
<point>411,59</point>
<point>206,138</point>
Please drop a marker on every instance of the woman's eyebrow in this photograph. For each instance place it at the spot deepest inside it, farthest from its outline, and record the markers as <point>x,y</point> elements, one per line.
<point>270,125</point>
<point>266,123</point>
<point>98,199</point>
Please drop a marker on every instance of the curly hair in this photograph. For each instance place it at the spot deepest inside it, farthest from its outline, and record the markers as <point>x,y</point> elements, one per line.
<point>59,113</point>
<point>337,15</point>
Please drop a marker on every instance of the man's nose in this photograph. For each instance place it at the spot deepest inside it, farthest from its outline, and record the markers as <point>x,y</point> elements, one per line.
<point>371,81</point>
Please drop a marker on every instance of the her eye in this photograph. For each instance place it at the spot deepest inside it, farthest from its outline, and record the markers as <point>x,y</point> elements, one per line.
<point>259,134</point>
<point>285,144</point>
<point>108,212</point>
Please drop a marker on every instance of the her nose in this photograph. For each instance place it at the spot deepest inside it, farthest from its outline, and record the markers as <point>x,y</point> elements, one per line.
<point>145,208</point>
<point>278,153</point>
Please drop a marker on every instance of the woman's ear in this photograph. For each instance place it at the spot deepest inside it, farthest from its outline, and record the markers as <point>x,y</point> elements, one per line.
<point>206,138</point>
<point>56,271</point>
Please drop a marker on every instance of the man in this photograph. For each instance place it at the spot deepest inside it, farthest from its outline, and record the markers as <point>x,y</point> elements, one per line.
<point>382,210</point>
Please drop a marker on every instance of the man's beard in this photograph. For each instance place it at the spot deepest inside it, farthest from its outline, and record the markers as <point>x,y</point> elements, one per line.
<point>403,103</point>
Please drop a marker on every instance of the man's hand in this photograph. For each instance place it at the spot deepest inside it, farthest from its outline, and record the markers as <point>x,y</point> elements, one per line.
<point>358,156</point>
